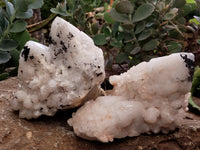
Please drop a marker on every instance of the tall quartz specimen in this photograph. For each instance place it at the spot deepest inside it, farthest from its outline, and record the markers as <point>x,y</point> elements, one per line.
<point>60,76</point>
<point>150,97</point>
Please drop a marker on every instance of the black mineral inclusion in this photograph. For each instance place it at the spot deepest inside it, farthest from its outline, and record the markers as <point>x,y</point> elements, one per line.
<point>189,64</point>
<point>25,53</point>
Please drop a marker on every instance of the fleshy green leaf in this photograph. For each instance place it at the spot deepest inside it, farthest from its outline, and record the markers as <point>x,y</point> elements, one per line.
<point>140,27</point>
<point>95,27</point>
<point>87,1</point>
<point>4,57</point>
<point>121,58</point>
<point>190,1</point>
<point>128,26</point>
<point>116,43</point>
<point>128,36</point>
<point>18,26</point>
<point>128,47</point>
<point>87,8</point>
<point>60,9</point>
<point>191,102</point>
<point>194,20</point>
<point>107,18</point>
<point>3,76</point>
<point>174,47</point>
<point>196,80</point>
<point>8,44</point>
<point>9,8</point>
<point>143,11</point>
<point>35,4</point>
<point>3,21</point>
<point>100,39</point>
<point>21,38</point>
<point>62,6</point>
<point>115,28</point>
<point>21,5</point>
<point>179,3</point>
<point>174,10</point>
<point>120,36</point>
<point>15,56</point>
<point>171,14</point>
<point>144,35</point>
<point>188,8</point>
<point>195,90</point>
<point>124,7</point>
<point>107,31</point>
<point>56,11</point>
<point>161,6</point>
<point>119,17</point>
<point>135,50</point>
<point>150,45</point>
<point>24,15</point>
<point>181,20</point>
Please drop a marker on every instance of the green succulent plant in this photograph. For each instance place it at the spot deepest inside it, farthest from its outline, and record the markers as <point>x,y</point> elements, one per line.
<point>145,29</point>
<point>75,12</point>
<point>195,90</point>
<point>13,33</point>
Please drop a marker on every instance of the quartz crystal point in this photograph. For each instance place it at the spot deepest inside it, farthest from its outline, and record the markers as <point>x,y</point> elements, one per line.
<point>150,97</point>
<point>60,76</point>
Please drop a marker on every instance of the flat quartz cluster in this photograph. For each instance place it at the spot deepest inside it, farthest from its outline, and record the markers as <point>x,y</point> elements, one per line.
<point>151,97</point>
<point>60,76</point>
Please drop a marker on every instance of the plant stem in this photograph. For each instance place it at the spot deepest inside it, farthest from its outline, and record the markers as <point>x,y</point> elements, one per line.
<point>41,24</point>
<point>135,39</point>
<point>177,29</point>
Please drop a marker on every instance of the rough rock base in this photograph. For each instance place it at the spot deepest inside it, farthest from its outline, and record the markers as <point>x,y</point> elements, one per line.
<point>53,132</point>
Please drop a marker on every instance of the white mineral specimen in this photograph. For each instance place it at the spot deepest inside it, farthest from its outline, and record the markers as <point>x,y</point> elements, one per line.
<point>60,76</point>
<point>150,97</point>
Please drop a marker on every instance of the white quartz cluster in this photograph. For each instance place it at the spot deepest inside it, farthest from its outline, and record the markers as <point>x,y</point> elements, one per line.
<point>150,97</point>
<point>60,76</point>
